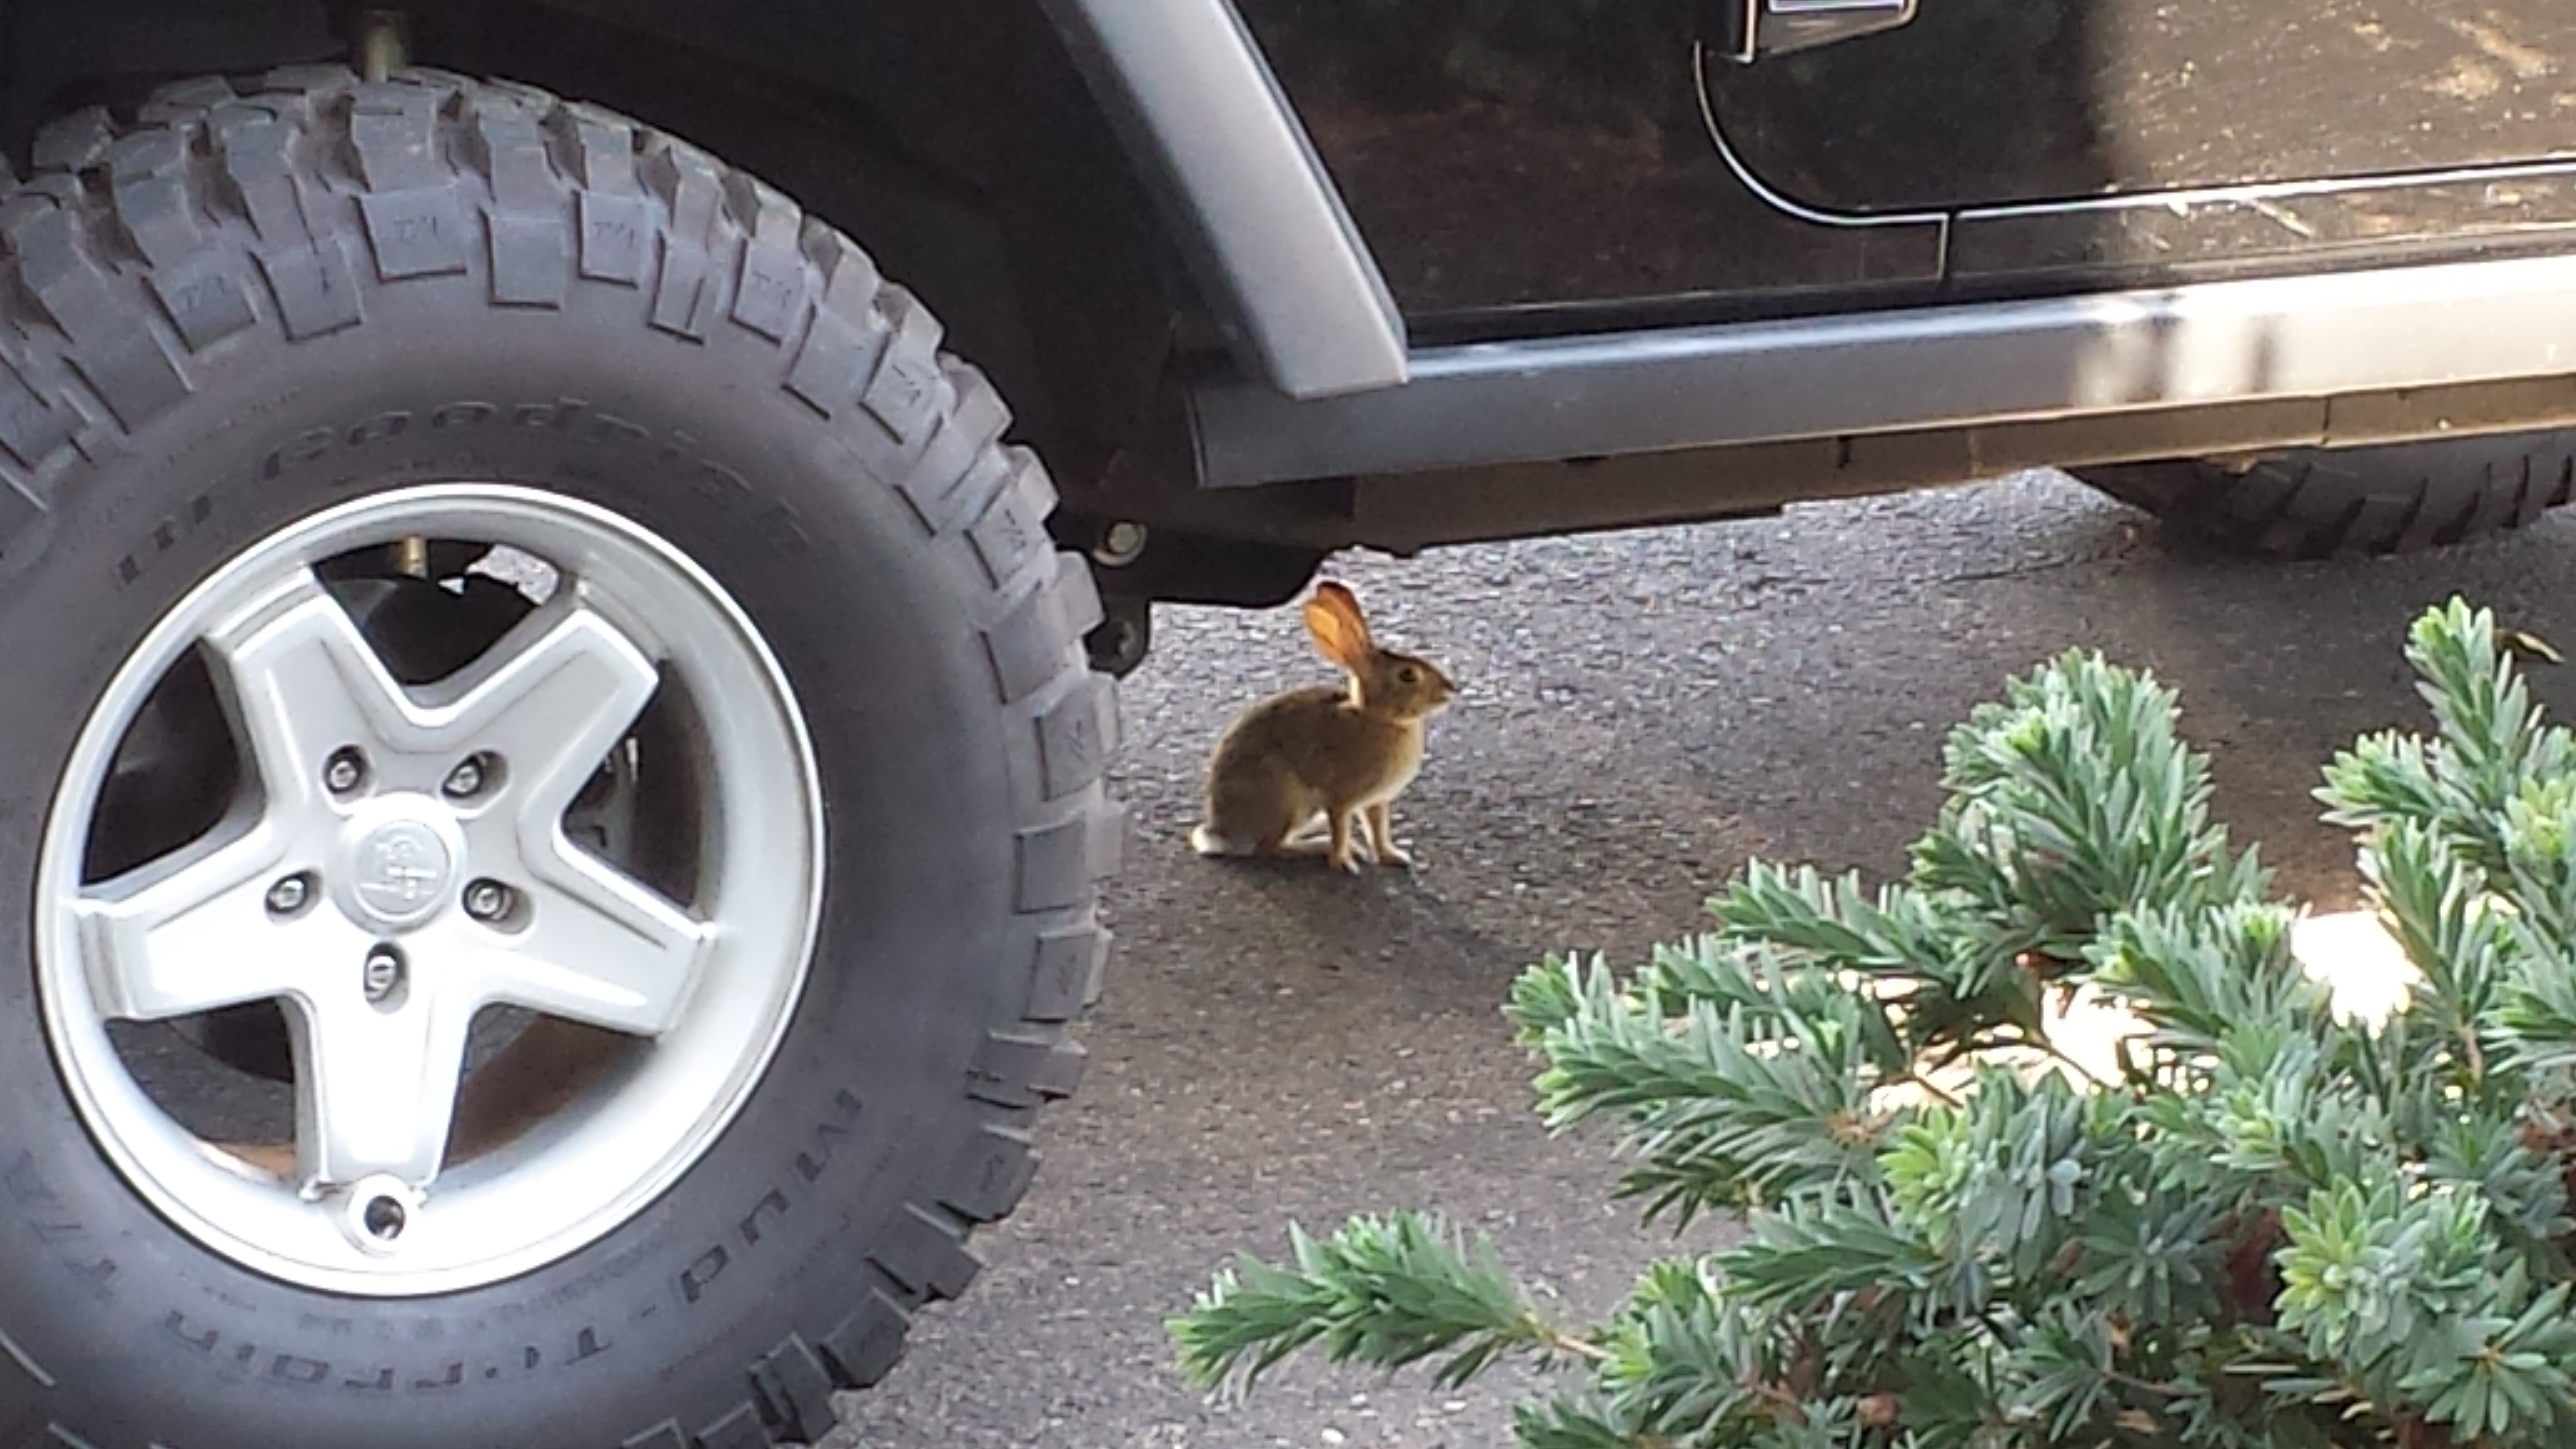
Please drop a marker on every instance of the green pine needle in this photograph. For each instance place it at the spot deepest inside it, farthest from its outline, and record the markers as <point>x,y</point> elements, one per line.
<point>1384,1292</point>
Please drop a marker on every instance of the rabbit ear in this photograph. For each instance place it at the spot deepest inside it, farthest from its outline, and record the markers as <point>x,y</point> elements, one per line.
<point>1341,633</point>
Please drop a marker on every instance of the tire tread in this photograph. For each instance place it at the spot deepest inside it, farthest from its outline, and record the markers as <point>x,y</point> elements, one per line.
<point>2313,504</point>
<point>428,175</point>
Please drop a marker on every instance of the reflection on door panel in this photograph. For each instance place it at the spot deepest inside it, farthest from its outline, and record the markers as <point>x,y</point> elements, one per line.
<point>1562,164</point>
<point>1986,102</point>
<point>1510,154</point>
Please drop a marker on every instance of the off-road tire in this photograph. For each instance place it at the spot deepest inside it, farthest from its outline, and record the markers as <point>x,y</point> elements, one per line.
<point>259,298</point>
<point>2316,503</point>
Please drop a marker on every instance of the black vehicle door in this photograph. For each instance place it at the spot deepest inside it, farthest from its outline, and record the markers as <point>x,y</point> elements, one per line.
<point>2176,135</point>
<point>1526,165</point>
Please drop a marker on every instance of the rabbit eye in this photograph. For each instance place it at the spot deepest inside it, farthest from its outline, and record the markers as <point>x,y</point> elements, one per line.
<point>1408,675</point>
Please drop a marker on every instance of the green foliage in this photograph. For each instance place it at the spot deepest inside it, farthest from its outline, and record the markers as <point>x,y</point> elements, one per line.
<point>2270,1227</point>
<point>1390,1292</point>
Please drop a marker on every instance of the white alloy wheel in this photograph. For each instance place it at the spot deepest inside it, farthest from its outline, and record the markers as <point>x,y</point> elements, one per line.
<point>396,867</point>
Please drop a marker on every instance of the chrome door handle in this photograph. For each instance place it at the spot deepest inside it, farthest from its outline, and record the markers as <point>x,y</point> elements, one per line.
<point>1759,28</point>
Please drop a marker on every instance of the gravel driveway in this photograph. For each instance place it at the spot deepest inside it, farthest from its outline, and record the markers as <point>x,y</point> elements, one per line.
<point>1639,713</point>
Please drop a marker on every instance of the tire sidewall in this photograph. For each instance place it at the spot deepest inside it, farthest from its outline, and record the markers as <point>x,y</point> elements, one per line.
<point>875,630</point>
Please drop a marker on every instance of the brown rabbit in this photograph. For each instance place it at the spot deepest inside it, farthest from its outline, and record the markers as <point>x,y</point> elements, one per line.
<point>1335,752</point>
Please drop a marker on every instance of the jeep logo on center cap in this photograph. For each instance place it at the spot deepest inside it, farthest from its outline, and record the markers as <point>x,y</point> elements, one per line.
<point>401,871</point>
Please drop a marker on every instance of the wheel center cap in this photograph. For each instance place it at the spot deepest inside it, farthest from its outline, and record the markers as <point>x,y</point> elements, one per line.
<point>397,868</point>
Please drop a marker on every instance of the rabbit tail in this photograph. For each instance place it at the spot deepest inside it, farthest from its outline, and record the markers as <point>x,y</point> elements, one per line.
<point>1206,841</point>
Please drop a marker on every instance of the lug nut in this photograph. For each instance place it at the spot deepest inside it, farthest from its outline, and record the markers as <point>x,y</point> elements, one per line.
<point>384,974</point>
<point>289,894</point>
<point>385,1219</point>
<point>375,1211</point>
<point>487,900</point>
<point>346,770</point>
<point>467,779</point>
<point>1121,544</point>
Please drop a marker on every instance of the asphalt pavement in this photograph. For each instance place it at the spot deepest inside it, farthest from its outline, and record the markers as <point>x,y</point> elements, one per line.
<point>1639,712</point>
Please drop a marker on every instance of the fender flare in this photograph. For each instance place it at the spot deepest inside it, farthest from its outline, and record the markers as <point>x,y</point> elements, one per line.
<point>1205,121</point>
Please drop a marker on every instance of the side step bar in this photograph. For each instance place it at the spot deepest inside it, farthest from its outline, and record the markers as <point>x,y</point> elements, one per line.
<point>2380,331</point>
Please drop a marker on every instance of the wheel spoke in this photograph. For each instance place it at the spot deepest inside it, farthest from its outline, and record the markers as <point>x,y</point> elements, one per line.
<point>601,949</point>
<point>376,1089</point>
<point>560,688</point>
<point>302,682</point>
<point>189,932</point>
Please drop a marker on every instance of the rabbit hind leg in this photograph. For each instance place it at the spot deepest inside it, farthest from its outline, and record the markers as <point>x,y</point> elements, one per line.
<point>1206,841</point>
<point>1249,813</point>
<point>1314,835</point>
<point>1299,830</point>
<point>1317,831</point>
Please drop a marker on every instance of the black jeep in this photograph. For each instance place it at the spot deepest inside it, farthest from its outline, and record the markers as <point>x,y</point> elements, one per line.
<point>555,722</point>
